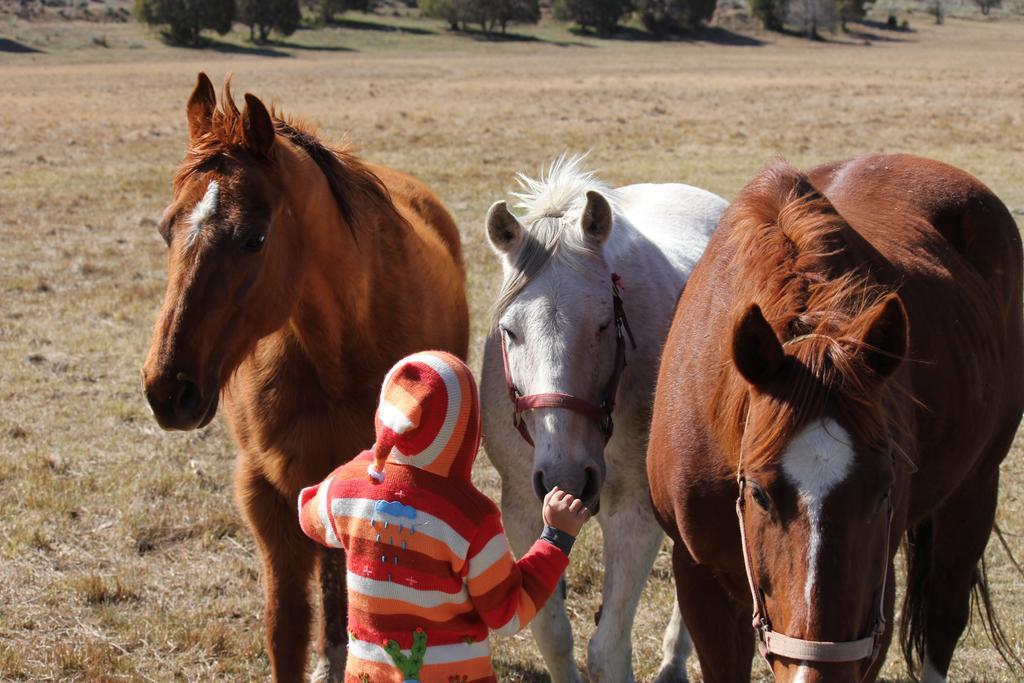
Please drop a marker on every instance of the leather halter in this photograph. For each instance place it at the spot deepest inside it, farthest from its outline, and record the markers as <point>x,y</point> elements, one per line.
<point>774,643</point>
<point>601,413</point>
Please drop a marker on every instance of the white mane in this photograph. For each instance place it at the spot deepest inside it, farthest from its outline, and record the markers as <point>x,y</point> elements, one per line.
<point>561,188</point>
<point>553,204</point>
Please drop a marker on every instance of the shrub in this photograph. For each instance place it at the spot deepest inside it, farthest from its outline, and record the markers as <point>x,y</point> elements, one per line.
<point>488,14</point>
<point>325,10</point>
<point>264,16</point>
<point>770,12</point>
<point>599,15</point>
<point>185,19</point>
<point>446,10</point>
<point>666,16</point>
<point>851,10</point>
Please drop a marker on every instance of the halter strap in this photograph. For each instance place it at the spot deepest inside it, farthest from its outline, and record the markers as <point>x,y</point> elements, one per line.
<point>600,413</point>
<point>774,643</point>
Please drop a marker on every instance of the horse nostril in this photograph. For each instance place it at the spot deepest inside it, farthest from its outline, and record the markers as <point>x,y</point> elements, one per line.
<point>186,397</point>
<point>538,484</point>
<point>592,487</point>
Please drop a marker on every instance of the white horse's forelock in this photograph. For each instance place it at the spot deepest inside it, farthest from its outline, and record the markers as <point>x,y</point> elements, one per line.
<point>552,205</point>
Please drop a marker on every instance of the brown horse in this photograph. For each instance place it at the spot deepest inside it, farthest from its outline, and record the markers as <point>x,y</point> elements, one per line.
<point>844,368</point>
<point>296,278</point>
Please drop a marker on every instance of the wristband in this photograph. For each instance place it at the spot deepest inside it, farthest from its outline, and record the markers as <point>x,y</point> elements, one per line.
<point>558,538</point>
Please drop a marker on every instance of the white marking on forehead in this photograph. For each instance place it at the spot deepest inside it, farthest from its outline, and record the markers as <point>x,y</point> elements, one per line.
<point>815,462</point>
<point>202,213</point>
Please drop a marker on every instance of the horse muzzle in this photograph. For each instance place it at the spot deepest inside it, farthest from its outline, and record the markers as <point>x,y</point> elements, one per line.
<point>178,402</point>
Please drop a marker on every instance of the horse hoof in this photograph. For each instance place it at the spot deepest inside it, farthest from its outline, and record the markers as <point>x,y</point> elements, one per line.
<point>672,675</point>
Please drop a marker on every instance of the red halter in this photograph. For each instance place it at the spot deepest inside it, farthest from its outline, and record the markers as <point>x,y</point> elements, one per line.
<point>600,413</point>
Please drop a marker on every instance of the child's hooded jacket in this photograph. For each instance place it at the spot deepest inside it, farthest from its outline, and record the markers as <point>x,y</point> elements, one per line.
<point>429,567</point>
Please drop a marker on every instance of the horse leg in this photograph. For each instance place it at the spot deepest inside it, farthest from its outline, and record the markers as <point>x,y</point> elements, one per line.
<point>288,560</point>
<point>960,532</point>
<point>631,541</point>
<point>719,626</point>
<point>332,647</point>
<point>521,515</point>
<point>676,648</point>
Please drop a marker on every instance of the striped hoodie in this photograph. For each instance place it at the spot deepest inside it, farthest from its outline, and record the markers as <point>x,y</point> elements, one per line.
<point>430,571</point>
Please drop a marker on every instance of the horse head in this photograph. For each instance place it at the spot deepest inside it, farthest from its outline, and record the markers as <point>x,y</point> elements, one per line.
<point>556,318</point>
<point>231,265</point>
<point>818,480</point>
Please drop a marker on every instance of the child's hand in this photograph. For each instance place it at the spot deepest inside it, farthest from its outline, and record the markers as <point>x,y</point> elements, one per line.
<point>564,511</point>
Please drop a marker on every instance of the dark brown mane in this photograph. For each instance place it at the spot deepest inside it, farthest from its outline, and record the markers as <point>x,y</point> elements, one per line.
<point>789,242</point>
<point>357,191</point>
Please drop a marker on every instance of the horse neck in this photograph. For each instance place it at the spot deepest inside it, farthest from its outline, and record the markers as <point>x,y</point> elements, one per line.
<point>331,320</point>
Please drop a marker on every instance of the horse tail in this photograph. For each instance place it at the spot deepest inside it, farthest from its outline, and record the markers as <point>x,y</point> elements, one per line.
<point>981,601</point>
<point>918,550</point>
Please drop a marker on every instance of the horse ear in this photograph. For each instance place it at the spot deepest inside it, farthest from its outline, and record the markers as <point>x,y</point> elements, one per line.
<point>504,231</point>
<point>597,218</point>
<point>257,126</point>
<point>200,107</point>
<point>756,350</point>
<point>886,337</point>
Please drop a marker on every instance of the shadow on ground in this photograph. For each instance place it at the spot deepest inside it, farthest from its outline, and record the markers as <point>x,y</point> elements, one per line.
<point>8,45</point>
<point>234,49</point>
<point>883,26</point>
<point>517,38</point>
<point>367,25</point>
<point>714,35</point>
<point>860,34</point>
<point>520,673</point>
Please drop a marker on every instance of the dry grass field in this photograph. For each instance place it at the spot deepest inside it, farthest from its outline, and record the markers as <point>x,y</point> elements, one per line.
<point>121,554</point>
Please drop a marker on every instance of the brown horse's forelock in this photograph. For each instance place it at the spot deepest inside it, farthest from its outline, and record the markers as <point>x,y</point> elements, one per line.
<point>789,239</point>
<point>357,191</point>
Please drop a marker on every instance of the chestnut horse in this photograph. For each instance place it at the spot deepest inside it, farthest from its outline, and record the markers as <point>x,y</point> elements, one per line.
<point>844,369</point>
<point>296,275</point>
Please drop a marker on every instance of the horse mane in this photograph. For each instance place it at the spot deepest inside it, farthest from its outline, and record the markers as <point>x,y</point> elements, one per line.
<point>791,246</point>
<point>348,177</point>
<point>552,203</point>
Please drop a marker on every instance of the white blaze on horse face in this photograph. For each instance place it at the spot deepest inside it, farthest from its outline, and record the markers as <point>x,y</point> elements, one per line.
<point>202,212</point>
<point>815,462</point>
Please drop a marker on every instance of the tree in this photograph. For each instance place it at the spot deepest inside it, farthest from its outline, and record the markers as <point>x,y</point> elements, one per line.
<point>446,10</point>
<point>987,5</point>
<point>770,12</point>
<point>850,10</point>
<point>599,15</point>
<point>666,16</point>
<point>325,10</point>
<point>264,16</point>
<point>488,14</point>
<point>812,15</point>
<point>185,19</point>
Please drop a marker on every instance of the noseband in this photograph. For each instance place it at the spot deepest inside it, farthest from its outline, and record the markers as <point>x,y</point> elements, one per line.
<point>601,413</point>
<point>774,643</point>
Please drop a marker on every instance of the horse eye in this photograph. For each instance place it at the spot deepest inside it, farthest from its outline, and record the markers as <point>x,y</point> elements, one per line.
<point>510,333</point>
<point>603,326</point>
<point>254,242</point>
<point>760,497</point>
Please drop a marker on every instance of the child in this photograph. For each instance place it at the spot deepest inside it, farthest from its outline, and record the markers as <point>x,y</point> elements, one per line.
<point>429,567</point>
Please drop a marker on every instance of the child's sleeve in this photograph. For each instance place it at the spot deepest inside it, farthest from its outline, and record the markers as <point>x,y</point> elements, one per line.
<point>507,594</point>
<point>315,515</point>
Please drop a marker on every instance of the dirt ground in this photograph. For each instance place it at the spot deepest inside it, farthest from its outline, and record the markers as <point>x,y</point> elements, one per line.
<point>121,554</point>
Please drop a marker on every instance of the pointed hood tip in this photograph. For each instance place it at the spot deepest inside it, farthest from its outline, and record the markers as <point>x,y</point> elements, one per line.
<point>428,416</point>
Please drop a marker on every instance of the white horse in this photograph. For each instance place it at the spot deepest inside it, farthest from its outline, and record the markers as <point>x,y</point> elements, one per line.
<point>556,315</point>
